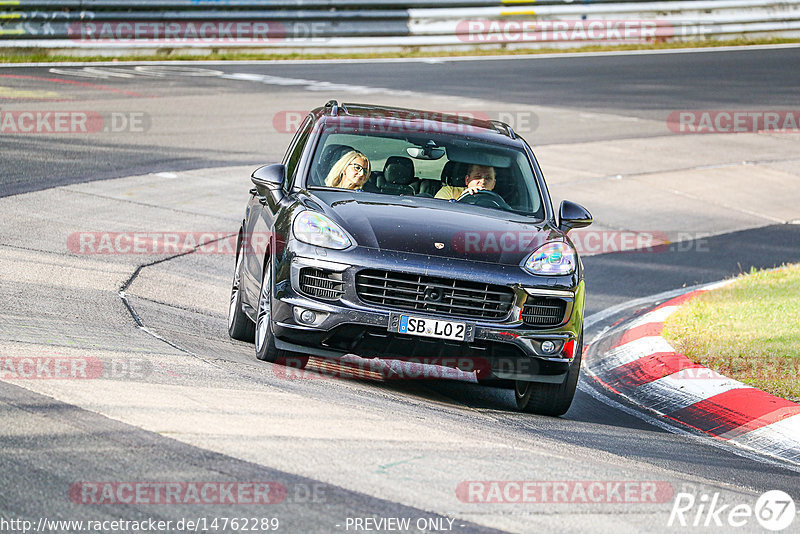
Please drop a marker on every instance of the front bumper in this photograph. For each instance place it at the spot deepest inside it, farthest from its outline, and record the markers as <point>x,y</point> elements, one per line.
<point>344,324</point>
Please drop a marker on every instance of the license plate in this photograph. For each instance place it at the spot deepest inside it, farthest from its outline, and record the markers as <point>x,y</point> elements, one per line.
<point>427,327</point>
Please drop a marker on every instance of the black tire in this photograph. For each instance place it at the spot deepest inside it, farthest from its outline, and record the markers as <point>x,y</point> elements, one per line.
<point>550,399</point>
<point>264,338</point>
<point>239,324</point>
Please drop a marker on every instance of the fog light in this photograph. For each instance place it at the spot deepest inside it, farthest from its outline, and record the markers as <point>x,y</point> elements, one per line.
<point>308,316</point>
<point>549,347</point>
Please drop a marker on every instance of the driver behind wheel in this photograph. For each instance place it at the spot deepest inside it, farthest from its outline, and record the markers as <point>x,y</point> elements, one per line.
<point>478,177</point>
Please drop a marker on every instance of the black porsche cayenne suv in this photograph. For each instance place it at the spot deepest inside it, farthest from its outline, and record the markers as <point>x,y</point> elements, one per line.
<point>396,264</point>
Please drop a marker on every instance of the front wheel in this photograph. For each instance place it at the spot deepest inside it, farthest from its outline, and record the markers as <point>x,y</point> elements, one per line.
<point>550,399</point>
<point>239,325</point>
<point>265,339</point>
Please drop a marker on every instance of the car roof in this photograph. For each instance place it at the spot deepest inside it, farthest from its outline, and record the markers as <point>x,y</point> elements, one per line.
<point>426,120</point>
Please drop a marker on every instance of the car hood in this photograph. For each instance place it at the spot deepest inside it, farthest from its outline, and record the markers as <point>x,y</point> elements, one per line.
<point>435,227</point>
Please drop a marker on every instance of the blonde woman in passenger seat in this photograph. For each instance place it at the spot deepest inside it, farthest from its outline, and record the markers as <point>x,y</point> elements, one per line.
<point>350,172</point>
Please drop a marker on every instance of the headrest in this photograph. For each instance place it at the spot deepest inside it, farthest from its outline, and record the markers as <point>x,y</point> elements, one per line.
<point>398,170</point>
<point>453,173</point>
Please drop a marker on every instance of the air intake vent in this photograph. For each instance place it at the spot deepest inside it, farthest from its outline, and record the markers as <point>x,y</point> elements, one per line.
<point>543,311</point>
<point>321,283</point>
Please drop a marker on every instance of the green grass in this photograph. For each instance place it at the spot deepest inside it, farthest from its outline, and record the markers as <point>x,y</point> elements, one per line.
<point>10,55</point>
<point>748,330</point>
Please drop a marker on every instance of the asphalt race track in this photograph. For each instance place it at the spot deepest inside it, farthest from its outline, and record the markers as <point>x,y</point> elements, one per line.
<point>169,149</point>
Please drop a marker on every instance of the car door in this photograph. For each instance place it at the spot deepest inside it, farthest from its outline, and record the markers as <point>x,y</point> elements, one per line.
<point>261,215</point>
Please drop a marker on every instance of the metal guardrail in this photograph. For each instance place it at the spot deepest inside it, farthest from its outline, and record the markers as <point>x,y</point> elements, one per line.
<point>113,25</point>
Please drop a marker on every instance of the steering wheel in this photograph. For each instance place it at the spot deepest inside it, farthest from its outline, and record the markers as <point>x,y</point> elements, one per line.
<point>484,198</point>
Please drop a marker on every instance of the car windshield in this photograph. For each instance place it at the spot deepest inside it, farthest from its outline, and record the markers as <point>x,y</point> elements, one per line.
<point>422,164</point>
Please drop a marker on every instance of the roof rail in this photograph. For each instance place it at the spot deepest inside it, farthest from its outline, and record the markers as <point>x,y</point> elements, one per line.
<point>504,129</point>
<point>334,105</point>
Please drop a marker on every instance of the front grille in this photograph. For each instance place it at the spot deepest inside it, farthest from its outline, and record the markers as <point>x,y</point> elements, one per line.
<point>321,283</point>
<point>456,298</point>
<point>543,311</point>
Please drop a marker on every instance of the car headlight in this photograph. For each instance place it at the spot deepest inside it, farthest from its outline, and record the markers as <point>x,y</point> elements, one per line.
<point>316,229</point>
<point>552,259</point>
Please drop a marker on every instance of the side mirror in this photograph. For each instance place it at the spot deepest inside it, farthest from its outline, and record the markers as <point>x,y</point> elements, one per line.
<point>572,215</point>
<point>269,177</point>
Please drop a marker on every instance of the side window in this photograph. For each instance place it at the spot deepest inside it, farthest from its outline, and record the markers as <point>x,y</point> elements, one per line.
<point>296,150</point>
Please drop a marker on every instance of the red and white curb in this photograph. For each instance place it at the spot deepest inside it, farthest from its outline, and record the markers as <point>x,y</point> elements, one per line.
<point>643,367</point>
